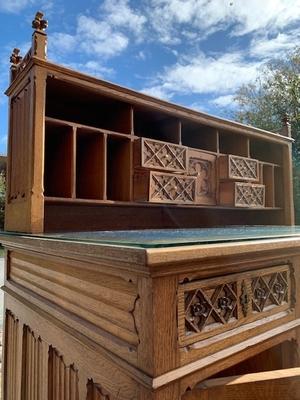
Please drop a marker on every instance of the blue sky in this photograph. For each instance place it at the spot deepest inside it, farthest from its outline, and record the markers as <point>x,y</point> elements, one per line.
<point>192,52</point>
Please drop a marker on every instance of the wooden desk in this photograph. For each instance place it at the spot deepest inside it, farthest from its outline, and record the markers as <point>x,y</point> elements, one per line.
<point>89,320</point>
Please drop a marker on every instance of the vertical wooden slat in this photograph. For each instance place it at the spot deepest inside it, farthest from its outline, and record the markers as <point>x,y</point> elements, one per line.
<point>21,142</point>
<point>73,167</point>
<point>179,132</point>
<point>9,355</point>
<point>288,212</point>
<point>105,166</point>
<point>56,389</point>
<point>131,120</point>
<point>18,145</point>
<point>12,356</point>
<point>66,394</point>
<point>73,385</point>
<point>15,356</point>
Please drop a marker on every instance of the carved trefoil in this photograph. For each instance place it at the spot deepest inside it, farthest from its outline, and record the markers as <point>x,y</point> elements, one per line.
<point>159,155</point>
<point>212,306</point>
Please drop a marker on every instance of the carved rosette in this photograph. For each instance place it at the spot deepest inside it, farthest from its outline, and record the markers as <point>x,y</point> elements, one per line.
<point>165,156</point>
<point>210,306</point>
<point>269,290</point>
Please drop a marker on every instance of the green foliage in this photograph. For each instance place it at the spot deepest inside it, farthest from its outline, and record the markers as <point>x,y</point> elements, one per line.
<point>263,103</point>
<point>2,198</point>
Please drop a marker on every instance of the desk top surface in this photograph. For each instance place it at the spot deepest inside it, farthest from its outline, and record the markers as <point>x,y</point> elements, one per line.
<point>164,238</point>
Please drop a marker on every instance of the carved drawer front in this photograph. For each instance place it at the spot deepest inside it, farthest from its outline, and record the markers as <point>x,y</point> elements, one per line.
<point>203,167</point>
<point>238,168</point>
<point>154,154</point>
<point>238,194</point>
<point>211,306</point>
<point>161,187</point>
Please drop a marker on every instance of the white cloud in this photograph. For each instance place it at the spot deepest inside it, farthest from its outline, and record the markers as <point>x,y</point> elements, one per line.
<point>158,91</point>
<point>61,43</point>
<point>92,67</point>
<point>120,14</point>
<point>204,74</point>
<point>197,19</point>
<point>199,106</point>
<point>99,38</point>
<point>224,101</point>
<point>265,47</point>
<point>141,55</point>
<point>14,6</point>
<point>104,35</point>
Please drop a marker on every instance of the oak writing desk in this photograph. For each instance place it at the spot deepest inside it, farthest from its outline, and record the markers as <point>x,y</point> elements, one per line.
<point>105,298</point>
<point>151,314</point>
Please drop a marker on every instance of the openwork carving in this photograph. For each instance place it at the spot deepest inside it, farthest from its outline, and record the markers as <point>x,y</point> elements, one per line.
<point>243,168</point>
<point>172,188</point>
<point>96,392</point>
<point>212,306</point>
<point>166,156</point>
<point>207,307</point>
<point>249,195</point>
<point>269,290</point>
<point>39,23</point>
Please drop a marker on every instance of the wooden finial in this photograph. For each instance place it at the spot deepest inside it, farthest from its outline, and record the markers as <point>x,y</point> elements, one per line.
<point>15,57</point>
<point>39,24</point>
<point>286,125</point>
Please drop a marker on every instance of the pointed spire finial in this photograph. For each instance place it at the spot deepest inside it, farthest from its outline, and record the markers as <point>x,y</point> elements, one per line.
<point>39,24</point>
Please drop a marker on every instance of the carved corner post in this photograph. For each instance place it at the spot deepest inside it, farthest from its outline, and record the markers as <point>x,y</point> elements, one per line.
<point>286,126</point>
<point>156,323</point>
<point>39,36</point>
<point>25,200</point>
<point>289,213</point>
<point>289,210</point>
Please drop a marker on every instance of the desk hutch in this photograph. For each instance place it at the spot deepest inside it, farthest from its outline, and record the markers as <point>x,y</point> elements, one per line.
<point>120,282</point>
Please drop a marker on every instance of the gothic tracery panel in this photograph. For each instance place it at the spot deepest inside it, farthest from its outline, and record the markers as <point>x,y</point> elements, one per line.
<point>249,195</point>
<point>172,188</point>
<point>165,156</point>
<point>211,306</point>
<point>243,168</point>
